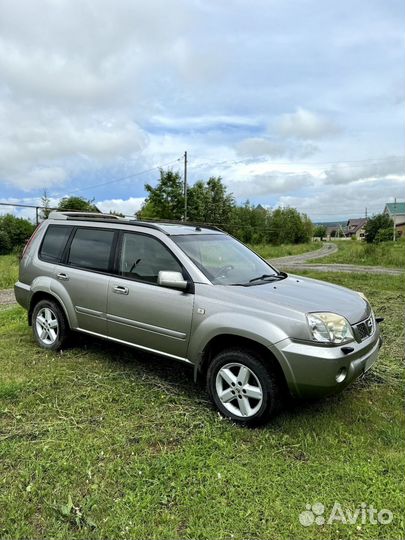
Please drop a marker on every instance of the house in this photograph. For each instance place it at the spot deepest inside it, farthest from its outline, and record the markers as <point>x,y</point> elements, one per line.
<point>396,212</point>
<point>335,231</point>
<point>356,228</point>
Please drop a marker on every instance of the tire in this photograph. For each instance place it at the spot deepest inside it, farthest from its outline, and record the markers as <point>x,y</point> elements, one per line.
<point>242,387</point>
<point>49,325</point>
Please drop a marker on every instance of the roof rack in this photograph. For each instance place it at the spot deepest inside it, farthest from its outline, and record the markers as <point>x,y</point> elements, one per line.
<point>80,215</point>
<point>153,224</point>
<point>99,217</point>
<point>196,224</point>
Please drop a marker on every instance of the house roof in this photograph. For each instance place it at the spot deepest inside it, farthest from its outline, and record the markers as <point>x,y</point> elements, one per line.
<point>395,208</point>
<point>354,225</point>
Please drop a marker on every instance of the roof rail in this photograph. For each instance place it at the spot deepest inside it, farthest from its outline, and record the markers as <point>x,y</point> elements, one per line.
<point>186,224</point>
<point>152,224</point>
<point>55,214</point>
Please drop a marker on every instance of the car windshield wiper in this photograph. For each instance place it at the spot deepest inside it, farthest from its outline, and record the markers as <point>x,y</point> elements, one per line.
<point>266,277</point>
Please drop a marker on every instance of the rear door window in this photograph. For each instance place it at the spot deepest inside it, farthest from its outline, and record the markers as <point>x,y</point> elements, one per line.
<point>91,249</point>
<point>54,242</point>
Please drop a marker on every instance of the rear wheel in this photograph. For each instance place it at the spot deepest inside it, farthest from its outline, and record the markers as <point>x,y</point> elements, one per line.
<point>242,387</point>
<point>49,325</point>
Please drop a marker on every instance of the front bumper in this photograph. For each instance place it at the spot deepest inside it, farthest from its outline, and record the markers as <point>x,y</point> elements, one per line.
<point>313,370</point>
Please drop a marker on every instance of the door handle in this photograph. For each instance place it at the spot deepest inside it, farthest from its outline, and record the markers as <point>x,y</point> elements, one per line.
<point>118,289</point>
<point>62,276</point>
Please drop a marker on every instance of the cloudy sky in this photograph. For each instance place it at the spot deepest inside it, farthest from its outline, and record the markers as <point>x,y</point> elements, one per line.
<point>291,102</point>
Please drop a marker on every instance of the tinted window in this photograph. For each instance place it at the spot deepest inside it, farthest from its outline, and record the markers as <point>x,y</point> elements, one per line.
<point>54,242</point>
<point>91,249</point>
<point>143,257</point>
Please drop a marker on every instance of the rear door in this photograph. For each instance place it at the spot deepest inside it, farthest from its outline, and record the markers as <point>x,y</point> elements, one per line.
<point>139,310</point>
<point>85,273</point>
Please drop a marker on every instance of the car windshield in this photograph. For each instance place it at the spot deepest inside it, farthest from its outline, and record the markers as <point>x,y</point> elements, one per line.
<point>224,260</point>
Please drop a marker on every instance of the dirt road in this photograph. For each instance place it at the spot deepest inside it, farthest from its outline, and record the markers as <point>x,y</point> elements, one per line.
<point>299,262</point>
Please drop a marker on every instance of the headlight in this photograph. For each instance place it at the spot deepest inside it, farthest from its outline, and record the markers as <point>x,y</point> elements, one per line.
<point>329,328</point>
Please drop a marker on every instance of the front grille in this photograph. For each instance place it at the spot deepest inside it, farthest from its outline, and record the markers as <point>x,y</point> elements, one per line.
<point>365,329</point>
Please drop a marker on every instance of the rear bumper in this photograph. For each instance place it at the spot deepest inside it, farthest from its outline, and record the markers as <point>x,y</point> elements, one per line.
<point>314,371</point>
<point>23,294</point>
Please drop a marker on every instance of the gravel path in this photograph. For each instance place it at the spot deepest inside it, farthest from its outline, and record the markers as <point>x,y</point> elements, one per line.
<point>7,297</point>
<point>325,251</point>
<point>299,262</point>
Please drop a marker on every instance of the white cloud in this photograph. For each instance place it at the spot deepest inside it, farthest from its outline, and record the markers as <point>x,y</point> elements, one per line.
<point>128,207</point>
<point>304,124</point>
<point>345,173</point>
<point>271,183</point>
<point>261,146</point>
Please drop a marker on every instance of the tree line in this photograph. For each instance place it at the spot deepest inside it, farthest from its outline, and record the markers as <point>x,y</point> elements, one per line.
<point>209,202</point>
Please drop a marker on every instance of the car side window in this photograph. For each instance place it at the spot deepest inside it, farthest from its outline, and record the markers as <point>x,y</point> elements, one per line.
<point>54,242</point>
<point>91,249</point>
<point>143,257</point>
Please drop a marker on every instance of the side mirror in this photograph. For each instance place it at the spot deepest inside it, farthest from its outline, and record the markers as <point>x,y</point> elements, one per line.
<point>173,280</point>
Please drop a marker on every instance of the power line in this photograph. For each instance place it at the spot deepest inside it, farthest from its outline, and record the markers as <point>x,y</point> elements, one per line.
<point>119,179</point>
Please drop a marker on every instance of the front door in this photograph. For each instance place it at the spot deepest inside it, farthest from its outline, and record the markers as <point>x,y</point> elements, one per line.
<point>141,312</point>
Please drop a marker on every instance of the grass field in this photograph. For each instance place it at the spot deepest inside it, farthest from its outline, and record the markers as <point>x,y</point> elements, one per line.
<point>8,270</point>
<point>390,254</point>
<point>268,251</point>
<point>104,442</point>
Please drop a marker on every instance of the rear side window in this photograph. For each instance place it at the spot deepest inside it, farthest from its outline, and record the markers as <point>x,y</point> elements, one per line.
<point>91,249</point>
<point>54,242</point>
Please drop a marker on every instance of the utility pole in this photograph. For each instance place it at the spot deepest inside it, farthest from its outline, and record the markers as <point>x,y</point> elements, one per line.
<point>395,213</point>
<point>366,213</point>
<point>185,186</point>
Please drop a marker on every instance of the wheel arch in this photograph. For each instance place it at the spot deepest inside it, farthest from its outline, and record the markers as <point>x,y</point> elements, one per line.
<point>222,342</point>
<point>44,295</point>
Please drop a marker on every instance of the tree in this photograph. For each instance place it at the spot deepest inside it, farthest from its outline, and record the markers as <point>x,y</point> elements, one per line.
<point>377,224</point>
<point>5,244</point>
<point>166,200</point>
<point>210,203</point>
<point>77,203</point>
<point>320,231</point>
<point>46,206</point>
<point>288,226</point>
<point>18,230</point>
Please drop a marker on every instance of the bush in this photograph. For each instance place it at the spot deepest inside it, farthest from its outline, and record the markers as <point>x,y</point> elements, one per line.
<point>383,235</point>
<point>18,230</point>
<point>5,244</point>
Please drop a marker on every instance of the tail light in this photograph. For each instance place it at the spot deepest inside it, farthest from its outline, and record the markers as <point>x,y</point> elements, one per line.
<point>29,243</point>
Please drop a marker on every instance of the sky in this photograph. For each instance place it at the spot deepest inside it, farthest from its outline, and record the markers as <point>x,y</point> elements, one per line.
<point>292,102</point>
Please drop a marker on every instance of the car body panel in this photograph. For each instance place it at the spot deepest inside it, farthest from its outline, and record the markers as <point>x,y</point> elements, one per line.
<point>155,317</point>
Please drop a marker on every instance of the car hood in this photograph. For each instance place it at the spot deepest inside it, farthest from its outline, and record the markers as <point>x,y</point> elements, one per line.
<point>303,295</point>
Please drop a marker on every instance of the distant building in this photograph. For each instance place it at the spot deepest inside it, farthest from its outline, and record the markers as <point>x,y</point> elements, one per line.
<point>356,227</point>
<point>396,211</point>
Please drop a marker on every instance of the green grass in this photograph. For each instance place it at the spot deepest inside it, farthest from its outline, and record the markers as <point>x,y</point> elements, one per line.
<point>268,251</point>
<point>104,442</point>
<point>390,254</point>
<point>8,270</point>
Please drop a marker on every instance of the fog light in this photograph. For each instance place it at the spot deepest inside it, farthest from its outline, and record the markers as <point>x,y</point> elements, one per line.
<point>341,375</point>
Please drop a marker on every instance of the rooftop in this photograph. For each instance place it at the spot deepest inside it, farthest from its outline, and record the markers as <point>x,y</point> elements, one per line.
<point>396,208</point>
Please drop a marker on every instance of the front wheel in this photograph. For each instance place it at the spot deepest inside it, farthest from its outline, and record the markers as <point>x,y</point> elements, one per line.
<point>242,387</point>
<point>49,325</point>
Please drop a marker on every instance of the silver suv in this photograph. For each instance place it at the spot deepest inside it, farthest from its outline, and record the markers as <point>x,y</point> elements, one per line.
<point>196,295</point>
